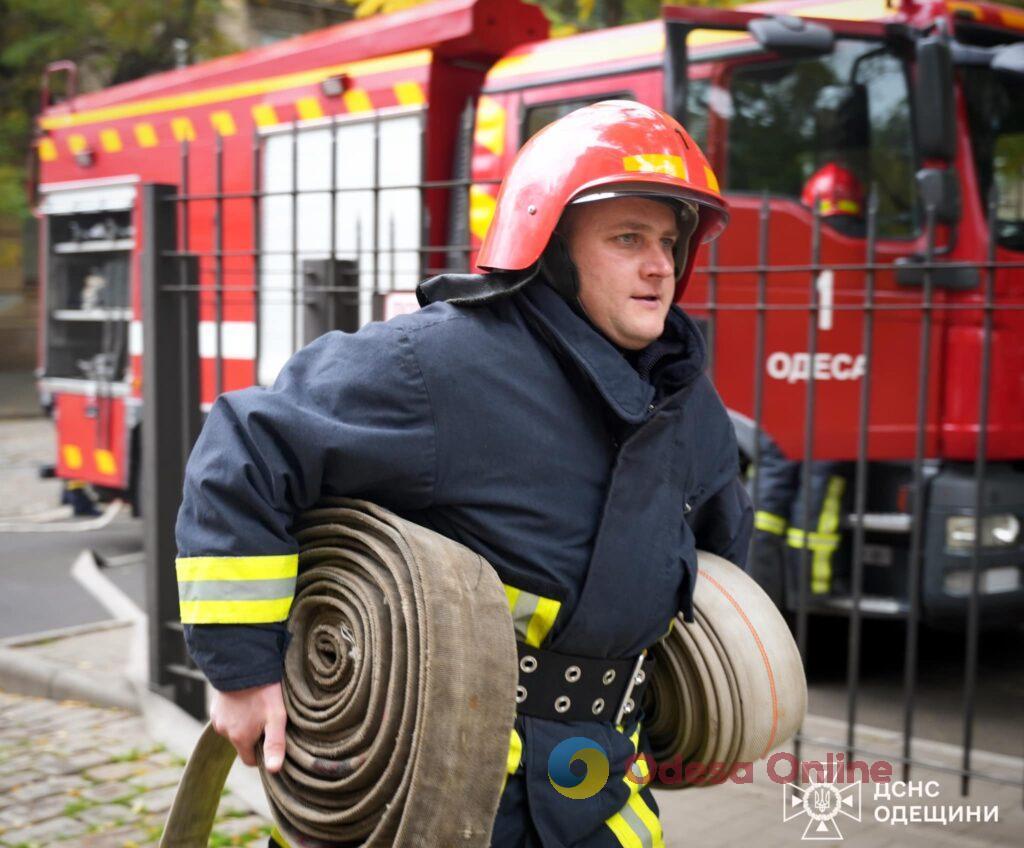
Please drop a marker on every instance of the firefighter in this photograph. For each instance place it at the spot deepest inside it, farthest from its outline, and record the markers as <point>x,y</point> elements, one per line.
<point>780,533</point>
<point>838,195</point>
<point>552,414</point>
<point>792,517</point>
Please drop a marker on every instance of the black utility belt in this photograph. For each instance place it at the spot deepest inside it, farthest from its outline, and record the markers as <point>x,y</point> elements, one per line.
<point>567,688</point>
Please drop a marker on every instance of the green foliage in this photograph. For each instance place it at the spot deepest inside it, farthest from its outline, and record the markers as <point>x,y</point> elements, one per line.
<point>112,41</point>
<point>568,16</point>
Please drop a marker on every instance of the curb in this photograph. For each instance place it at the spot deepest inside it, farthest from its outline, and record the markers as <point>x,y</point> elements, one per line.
<point>26,674</point>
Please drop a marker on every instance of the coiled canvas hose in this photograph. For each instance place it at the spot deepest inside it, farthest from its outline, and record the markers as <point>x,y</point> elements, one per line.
<point>729,688</point>
<point>400,690</point>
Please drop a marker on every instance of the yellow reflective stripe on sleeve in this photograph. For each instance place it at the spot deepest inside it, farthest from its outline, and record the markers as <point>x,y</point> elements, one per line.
<point>532,615</point>
<point>769,522</point>
<point>237,568</point>
<point>236,590</point>
<point>235,612</point>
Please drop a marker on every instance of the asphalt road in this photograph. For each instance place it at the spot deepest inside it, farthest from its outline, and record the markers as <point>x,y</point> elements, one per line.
<point>38,594</point>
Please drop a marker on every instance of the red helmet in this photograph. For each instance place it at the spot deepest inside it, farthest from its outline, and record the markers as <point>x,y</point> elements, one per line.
<point>836,190</point>
<point>612,148</point>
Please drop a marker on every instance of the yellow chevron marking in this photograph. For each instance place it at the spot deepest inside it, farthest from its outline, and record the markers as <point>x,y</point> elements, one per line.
<point>264,115</point>
<point>309,109</point>
<point>47,149</point>
<point>72,456</point>
<point>481,210</point>
<point>111,141</point>
<point>410,93</point>
<point>145,135</point>
<point>183,129</point>
<point>357,100</point>
<point>490,125</point>
<point>223,123</point>
<point>105,463</point>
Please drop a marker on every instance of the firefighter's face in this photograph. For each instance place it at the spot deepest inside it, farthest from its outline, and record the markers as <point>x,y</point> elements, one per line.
<point>623,250</point>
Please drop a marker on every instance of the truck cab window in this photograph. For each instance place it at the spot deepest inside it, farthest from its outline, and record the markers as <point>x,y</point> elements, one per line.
<point>847,113</point>
<point>995,113</point>
<point>539,116</point>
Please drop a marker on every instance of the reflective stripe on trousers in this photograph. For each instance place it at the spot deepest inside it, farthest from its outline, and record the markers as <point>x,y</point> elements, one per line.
<point>636,825</point>
<point>825,541</point>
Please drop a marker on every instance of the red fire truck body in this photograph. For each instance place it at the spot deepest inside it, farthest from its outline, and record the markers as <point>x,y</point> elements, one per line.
<point>363,124</point>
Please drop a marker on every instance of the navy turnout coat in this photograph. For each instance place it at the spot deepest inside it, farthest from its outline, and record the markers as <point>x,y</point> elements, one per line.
<point>584,476</point>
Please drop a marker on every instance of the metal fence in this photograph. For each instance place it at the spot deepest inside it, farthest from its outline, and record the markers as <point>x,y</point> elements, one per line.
<point>193,271</point>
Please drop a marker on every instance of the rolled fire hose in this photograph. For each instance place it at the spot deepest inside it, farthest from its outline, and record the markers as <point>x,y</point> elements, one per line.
<point>729,688</point>
<point>400,681</point>
<point>400,687</point>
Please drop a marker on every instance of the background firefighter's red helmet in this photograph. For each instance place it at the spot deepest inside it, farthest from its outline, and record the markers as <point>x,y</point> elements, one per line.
<point>836,190</point>
<point>611,148</point>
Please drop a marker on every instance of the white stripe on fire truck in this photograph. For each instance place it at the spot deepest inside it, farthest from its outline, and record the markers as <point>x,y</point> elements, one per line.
<point>135,338</point>
<point>238,339</point>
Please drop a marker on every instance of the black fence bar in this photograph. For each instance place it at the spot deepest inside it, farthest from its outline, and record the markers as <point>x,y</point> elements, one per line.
<point>332,256</point>
<point>712,306</point>
<point>218,280</point>
<point>808,459</point>
<point>296,272</point>
<point>375,223</point>
<point>917,525</point>
<point>170,338</point>
<point>760,319</point>
<point>257,242</point>
<point>980,463</point>
<point>861,481</point>
<point>185,306</point>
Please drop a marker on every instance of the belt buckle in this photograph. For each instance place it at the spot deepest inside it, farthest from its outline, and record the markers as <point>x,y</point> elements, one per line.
<point>636,677</point>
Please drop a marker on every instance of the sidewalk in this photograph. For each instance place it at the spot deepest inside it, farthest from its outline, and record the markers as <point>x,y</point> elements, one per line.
<point>67,769</point>
<point>79,775</point>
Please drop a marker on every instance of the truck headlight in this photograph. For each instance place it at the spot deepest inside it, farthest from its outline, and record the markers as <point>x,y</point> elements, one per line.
<point>996,531</point>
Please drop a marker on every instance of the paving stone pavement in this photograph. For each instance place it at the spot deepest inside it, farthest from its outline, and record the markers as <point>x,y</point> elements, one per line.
<point>84,776</point>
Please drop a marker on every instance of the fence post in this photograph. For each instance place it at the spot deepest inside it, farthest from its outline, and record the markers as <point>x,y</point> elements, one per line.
<point>170,422</point>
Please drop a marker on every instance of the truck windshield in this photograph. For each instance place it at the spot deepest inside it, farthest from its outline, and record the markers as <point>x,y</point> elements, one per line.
<point>995,113</point>
<point>787,121</point>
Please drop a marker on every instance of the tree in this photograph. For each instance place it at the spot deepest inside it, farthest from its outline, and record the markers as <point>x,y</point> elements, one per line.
<point>112,41</point>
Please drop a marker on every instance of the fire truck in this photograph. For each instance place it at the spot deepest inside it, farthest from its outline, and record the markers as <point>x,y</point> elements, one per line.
<point>317,180</point>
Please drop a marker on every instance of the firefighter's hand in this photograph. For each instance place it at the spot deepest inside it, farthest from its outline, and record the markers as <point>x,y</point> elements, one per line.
<point>241,716</point>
